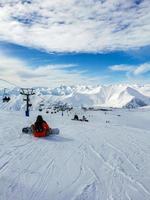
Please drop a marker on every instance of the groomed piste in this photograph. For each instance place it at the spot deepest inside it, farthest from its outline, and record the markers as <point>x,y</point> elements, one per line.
<point>86,161</point>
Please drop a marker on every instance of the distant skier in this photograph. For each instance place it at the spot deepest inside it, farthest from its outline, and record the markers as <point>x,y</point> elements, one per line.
<point>84,119</point>
<point>40,128</point>
<point>76,117</point>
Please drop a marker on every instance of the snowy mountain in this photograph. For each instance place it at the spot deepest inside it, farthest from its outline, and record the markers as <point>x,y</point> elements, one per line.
<point>119,96</point>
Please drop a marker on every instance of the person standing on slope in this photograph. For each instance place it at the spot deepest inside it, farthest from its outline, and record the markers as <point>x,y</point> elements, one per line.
<point>40,128</point>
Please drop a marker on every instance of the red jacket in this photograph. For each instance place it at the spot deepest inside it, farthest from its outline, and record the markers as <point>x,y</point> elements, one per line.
<point>42,133</point>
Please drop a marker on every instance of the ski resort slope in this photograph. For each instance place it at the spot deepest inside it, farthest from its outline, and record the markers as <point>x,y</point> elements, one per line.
<point>87,161</point>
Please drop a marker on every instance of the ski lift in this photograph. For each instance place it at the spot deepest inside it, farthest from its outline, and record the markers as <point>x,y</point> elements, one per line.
<point>6,96</point>
<point>40,109</point>
<point>6,99</point>
<point>41,104</point>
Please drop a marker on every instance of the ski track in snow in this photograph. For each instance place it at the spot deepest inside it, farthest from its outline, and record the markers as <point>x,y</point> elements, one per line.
<point>87,161</point>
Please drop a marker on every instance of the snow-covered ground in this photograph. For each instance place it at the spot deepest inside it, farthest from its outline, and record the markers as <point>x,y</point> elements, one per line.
<point>87,161</point>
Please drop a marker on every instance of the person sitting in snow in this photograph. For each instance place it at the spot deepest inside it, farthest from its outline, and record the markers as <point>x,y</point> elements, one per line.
<point>84,119</point>
<point>76,117</point>
<point>40,128</point>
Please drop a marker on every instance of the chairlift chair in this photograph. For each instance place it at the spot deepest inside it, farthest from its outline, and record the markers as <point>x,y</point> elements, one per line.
<point>6,96</point>
<point>6,99</point>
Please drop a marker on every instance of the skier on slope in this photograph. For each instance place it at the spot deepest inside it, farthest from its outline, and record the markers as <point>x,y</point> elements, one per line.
<point>40,128</point>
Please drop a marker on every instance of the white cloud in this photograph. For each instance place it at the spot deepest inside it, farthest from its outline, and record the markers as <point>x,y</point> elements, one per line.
<point>123,68</point>
<point>66,26</point>
<point>18,72</point>
<point>142,69</point>
<point>134,70</point>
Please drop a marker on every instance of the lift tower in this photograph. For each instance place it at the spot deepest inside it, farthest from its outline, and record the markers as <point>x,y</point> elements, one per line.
<point>27,92</point>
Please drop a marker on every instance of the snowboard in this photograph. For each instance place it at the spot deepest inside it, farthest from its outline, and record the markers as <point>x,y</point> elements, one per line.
<point>80,120</point>
<point>28,130</point>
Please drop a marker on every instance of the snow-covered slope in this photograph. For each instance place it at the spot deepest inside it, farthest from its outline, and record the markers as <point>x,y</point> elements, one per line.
<point>87,161</point>
<point>127,96</point>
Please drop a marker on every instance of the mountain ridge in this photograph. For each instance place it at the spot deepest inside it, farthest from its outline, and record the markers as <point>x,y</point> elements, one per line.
<point>117,96</point>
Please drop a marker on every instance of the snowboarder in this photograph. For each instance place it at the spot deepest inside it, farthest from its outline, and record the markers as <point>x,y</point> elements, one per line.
<point>40,128</point>
<point>76,117</point>
<point>84,119</point>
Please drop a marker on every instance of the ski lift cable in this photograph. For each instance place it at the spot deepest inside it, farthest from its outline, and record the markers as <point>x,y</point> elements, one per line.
<point>42,98</point>
<point>9,82</point>
<point>16,86</point>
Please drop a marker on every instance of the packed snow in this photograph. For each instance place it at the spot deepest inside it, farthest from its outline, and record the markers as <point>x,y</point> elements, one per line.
<point>91,160</point>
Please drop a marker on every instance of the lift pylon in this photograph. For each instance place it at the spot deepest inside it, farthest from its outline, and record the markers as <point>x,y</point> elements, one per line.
<point>27,92</point>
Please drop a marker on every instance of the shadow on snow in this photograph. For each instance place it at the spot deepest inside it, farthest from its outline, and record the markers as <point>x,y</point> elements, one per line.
<point>58,138</point>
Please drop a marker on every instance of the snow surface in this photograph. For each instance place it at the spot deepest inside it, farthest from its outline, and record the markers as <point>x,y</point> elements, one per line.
<point>87,161</point>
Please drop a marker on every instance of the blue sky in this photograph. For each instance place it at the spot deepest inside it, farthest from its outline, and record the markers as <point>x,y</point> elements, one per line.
<point>74,42</point>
